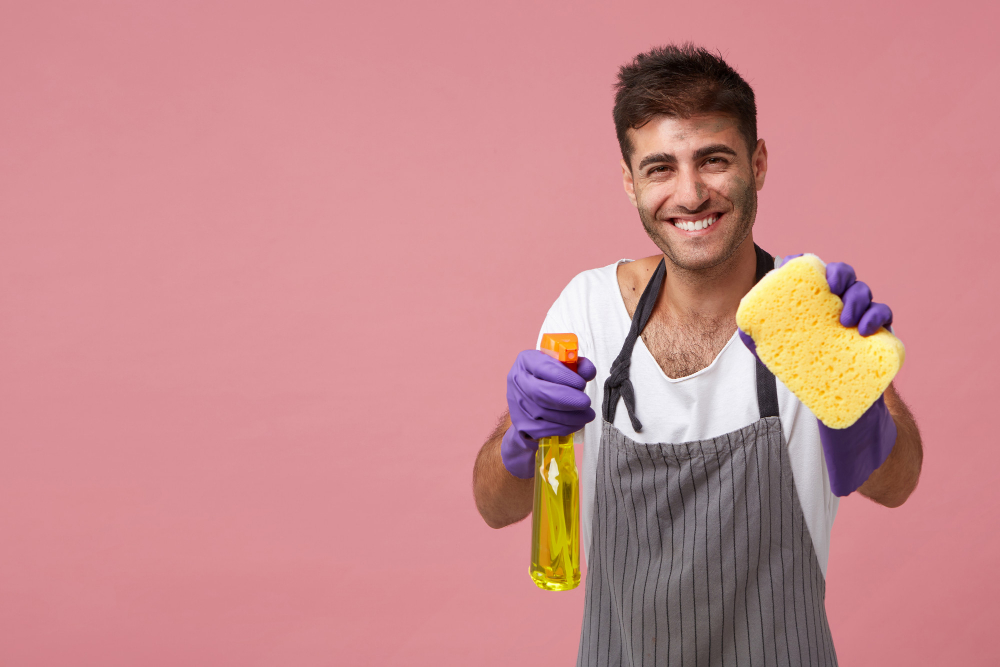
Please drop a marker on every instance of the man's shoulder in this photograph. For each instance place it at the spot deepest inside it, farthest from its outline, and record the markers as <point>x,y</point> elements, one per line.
<point>587,305</point>
<point>595,292</point>
<point>599,274</point>
<point>614,281</point>
<point>634,276</point>
<point>600,283</point>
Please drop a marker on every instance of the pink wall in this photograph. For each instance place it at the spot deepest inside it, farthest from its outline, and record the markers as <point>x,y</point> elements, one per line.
<point>263,269</point>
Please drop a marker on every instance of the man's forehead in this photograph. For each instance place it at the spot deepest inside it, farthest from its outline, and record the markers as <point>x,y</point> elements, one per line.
<point>664,132</point>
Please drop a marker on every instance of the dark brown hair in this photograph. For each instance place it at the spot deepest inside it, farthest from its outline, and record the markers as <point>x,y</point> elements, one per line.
<point>680,81</point>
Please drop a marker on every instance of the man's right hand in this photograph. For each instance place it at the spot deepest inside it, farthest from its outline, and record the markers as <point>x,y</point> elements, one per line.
<point>545,399</point>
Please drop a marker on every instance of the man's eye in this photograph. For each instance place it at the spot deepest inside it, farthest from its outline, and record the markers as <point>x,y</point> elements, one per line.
<point>659,170</point>
<point>716,161</point>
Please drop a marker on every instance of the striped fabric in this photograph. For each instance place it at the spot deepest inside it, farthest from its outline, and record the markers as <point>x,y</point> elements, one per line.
<point>701,556</point>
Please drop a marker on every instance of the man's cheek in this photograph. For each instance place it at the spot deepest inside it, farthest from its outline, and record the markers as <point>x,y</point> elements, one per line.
<point>742,193</point>
<point>652,199</point>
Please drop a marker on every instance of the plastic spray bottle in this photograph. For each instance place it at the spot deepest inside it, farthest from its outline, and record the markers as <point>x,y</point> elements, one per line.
<point>555,522</point>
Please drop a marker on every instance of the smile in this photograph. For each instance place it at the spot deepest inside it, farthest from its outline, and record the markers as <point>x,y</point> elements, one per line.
<point>695,225</point>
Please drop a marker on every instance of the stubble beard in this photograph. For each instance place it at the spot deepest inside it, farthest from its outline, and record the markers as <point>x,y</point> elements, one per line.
<point>743,214</point>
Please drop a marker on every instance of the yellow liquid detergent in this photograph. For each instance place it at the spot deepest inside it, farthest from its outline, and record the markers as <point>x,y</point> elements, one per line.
<point>555,534</point>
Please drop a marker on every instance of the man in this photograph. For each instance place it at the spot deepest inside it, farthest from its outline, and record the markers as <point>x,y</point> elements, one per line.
<point>707,503</point>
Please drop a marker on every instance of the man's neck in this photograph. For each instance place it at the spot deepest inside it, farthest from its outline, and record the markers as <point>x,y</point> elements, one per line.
<point>710,295</point>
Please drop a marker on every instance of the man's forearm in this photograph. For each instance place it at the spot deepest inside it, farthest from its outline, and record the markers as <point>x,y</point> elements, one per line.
<point>501,498</point>
<point>893,482</point>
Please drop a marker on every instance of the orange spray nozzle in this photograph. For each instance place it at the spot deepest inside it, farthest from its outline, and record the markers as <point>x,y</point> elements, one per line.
<point>562,347</point>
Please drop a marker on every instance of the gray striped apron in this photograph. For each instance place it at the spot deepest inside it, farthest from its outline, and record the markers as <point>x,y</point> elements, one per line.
<point>700,553</point>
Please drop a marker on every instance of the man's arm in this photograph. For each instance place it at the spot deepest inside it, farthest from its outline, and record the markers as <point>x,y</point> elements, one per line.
<point>501,498</point>
<point>893,482</point>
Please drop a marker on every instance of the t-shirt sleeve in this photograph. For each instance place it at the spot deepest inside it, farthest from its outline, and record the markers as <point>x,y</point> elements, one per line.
<point>554,322</point>
<point>566,315</point>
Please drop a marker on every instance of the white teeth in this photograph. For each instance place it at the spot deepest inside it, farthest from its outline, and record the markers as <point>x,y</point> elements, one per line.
<point>695,225</point>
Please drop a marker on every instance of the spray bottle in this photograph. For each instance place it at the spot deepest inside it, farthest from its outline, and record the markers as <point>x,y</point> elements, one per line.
<point>555,522</point>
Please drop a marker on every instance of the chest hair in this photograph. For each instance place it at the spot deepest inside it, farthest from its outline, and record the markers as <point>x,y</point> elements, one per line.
<point>682,349</point>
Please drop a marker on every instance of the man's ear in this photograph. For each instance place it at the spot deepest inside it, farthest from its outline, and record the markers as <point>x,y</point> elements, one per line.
<point>758,162</point>
<point>628,182</point>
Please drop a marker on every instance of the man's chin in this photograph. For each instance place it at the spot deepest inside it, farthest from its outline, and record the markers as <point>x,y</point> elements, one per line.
<point>692,259</point>
<point>695,264</point>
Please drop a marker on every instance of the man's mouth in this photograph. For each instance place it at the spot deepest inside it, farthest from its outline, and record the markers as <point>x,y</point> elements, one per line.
<point>695,225</point>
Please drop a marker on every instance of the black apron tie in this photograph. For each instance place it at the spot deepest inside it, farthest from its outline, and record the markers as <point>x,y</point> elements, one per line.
<point>619,386</point>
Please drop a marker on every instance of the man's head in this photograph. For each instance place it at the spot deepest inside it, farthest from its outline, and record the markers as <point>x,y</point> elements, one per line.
<point>681,81</point>
<point>686,124</point>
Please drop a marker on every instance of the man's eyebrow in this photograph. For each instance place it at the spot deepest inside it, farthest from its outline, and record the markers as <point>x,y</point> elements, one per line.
<point>715,148</point>
<point>657,157</point>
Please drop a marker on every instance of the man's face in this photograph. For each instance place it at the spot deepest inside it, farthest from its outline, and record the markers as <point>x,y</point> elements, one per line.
<point>695,187</point>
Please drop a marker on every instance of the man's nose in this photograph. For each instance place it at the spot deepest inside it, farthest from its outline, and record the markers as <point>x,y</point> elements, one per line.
<point>691,192</point>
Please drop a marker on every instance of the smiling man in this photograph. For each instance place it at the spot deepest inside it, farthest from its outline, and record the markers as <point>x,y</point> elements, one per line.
<point>707,503</point>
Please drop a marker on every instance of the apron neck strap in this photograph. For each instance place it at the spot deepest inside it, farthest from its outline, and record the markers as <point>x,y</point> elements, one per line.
<point>767,386</point>
<point>619,386</point>
<point>764,263</point>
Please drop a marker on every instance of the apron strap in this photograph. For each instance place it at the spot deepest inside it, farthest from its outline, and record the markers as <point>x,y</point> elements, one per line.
<point>767,387</point>
<point>619,386</point>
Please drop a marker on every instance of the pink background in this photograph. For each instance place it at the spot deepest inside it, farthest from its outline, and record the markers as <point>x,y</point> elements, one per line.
<point>264,266</point>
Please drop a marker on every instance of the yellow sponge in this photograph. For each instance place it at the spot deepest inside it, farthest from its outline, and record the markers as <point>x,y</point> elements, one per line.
<point>794,319</point>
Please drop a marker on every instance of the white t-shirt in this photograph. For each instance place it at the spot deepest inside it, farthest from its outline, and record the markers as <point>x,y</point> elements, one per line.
<point>714,401</point>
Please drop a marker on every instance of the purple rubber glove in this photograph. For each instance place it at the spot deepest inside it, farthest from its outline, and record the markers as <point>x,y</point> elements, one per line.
<point>852,454</point>
<point>544,398</point>
<point>859,309</point>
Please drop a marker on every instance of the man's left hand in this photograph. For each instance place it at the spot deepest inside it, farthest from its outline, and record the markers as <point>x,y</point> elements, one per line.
<point>859,309</point>
<point>852,454</point>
